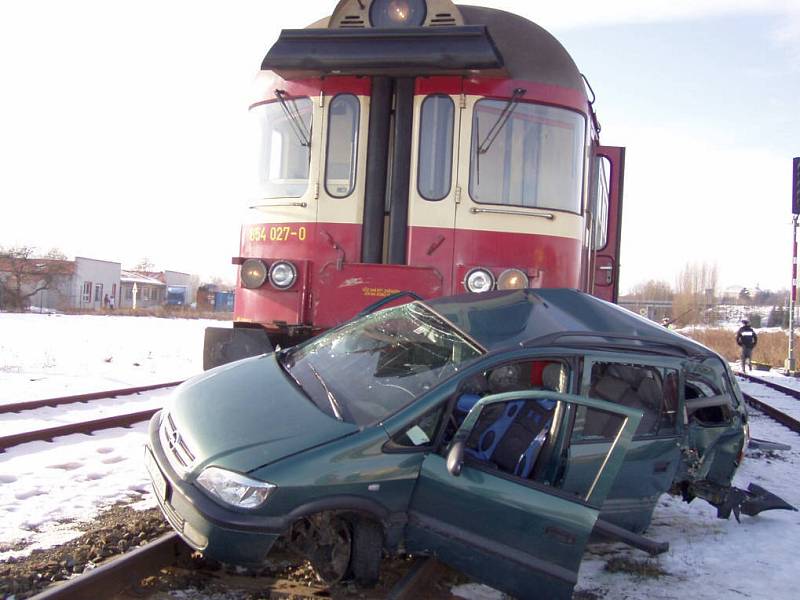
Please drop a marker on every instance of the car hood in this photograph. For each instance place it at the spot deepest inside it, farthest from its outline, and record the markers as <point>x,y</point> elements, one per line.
<point>247,414</point>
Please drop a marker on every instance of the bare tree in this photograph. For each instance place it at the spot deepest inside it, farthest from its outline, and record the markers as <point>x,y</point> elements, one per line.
<point>695,292</point>
<point>652,290</point>
<point>23,275</point>
<point>55,254</point>
<point>145,265</point>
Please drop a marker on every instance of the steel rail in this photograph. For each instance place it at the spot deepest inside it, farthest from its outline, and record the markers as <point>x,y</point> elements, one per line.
<point>34,404</point>
<point>771,384</point>
<point>773,413</point>
<point>121,572</point>
<point>111,578</point>
<point>87,427</point>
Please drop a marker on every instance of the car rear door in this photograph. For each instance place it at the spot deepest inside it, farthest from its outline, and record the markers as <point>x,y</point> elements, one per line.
<point>524,536</point>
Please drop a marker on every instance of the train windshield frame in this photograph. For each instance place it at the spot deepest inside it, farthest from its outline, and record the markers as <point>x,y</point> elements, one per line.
<point>535,160</point>
<point>284,148</point>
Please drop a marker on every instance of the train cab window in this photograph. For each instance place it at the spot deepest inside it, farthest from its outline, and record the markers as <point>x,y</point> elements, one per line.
<point>435,147</point>
<point>284,148</point>
<point>342,150</point>
<point>601,203</point>
<point>526,155</point>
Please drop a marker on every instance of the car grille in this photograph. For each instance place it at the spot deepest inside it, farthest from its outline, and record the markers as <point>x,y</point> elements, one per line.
<point>180,456</point>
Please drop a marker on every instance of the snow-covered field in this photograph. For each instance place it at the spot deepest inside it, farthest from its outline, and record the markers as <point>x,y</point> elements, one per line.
<point>42,356</point>
<point>46,488</point>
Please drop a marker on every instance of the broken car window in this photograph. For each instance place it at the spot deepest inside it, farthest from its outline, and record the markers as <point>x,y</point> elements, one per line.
<point>378,364</point>
<point>707,379</point>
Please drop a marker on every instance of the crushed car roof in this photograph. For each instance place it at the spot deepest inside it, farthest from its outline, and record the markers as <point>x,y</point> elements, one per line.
<point>562,317</point>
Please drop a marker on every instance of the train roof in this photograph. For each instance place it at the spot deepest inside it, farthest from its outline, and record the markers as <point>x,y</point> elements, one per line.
<point>529,51</point>
<point>559,317</point>
<point>482,41</point>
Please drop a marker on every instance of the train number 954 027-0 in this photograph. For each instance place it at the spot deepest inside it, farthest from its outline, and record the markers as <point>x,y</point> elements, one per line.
<point>277,233</point>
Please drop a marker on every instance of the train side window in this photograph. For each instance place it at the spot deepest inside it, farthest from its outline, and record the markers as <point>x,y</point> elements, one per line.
<point>341,155</point>
<point>601,209</point>
<point>434,177</point>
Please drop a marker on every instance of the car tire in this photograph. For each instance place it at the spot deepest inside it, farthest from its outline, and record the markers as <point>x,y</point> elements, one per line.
<point>365,559</point>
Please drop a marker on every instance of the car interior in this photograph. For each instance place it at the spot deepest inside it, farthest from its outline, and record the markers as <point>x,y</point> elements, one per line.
<point>512,437</point>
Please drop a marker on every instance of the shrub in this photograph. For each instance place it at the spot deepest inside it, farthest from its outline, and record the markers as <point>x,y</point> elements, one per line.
<point>772,347</point>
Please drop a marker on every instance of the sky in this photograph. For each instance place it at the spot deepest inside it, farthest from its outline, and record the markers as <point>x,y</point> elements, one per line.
<point>124,130</point>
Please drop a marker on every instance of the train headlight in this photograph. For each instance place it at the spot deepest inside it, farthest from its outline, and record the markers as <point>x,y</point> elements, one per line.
<point>282,275</point>
<point>397,13</point>
<point>479,280</point>
<point>254,273</point>
<point>512,279</point>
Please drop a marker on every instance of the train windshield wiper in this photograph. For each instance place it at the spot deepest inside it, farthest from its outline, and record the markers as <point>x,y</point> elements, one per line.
<point>495,130</point>
<point>337,410</point>
<point>293,114</point>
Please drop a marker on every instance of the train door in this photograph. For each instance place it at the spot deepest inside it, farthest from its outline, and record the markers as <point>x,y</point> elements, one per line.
<point>610,171</point>
<point>433,190</point>
<point>345,117</point>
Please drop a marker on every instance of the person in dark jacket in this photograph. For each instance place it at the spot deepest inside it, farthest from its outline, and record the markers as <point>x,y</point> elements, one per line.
<point>747,339</point>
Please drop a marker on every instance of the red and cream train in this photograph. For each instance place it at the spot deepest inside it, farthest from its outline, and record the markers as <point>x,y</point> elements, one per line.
<point>418,145</point>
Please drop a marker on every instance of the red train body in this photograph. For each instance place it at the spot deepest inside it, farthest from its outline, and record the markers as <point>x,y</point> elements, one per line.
<point>418,145</point>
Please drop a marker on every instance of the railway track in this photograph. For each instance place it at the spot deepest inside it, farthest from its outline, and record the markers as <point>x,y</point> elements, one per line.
<point>124,572</point>
<point>88,426</point>
<point>769,410</point>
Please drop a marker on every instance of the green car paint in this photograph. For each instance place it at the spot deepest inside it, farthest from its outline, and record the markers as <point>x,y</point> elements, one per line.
<point>244,415</point>
<point>283,419</point>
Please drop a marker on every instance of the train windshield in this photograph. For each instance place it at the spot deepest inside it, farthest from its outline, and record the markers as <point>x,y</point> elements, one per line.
<point>284,146</point>
<point>369,369</point>
<point>534,160</point>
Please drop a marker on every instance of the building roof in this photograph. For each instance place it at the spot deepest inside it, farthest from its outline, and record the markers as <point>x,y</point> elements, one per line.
<point>139,278</point>
<point>61,267</point>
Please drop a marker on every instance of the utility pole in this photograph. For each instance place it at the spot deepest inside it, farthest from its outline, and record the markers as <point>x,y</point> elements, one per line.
<point>790,361</point>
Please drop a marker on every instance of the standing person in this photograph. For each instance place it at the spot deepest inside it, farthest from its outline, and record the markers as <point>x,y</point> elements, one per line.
<point>747,339</point>
<point>111,302</point>
<point>105,301</point>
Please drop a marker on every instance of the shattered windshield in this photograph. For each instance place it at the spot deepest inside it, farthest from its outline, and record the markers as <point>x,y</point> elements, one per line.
<point>371,368</point>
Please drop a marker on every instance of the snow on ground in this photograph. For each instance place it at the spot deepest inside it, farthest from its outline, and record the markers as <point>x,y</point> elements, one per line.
<point>46,488</point>
<point>47,355</point>
<point>710,558</point>
<point>779,400</point>
<point>54,416</point>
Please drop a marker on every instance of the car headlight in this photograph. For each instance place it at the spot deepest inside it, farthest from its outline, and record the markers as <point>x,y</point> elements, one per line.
<point>282,274</point>
<point>479,280</point>
<point>254,273</point>
<point>512,279</point>
<point>233,488</point>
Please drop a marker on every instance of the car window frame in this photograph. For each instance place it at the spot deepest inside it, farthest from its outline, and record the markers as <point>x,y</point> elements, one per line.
<point>563,432</point>
<point>590,358</point>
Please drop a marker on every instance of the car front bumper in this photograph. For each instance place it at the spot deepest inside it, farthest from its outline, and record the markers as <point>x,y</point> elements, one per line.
<point>226,535</point>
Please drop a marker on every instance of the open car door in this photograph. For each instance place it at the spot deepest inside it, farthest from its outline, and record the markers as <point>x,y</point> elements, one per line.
<point>490,504</point>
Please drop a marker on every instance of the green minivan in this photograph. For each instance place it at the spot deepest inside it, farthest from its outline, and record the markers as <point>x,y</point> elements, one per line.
<point>495,431</point>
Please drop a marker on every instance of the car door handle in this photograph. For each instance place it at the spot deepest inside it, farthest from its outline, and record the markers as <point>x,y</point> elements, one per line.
<point>561,535</point>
